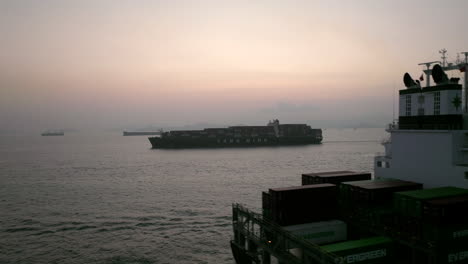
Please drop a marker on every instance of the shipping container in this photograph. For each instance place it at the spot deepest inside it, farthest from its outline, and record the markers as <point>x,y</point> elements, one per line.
<point>307,178</point>
<point>266,200</point>
<point>266,205</point>
<point>445,233</point>
<point>303,204</point>
<point>334,177</point>
<point>365,251</point>
<point>374,192</point>
<point>452,253</point>
<point>320,232</point>
<point>410,203</point>
<point>452,210</point>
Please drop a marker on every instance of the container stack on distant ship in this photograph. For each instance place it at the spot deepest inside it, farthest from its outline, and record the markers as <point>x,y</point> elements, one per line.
<point>273,134</point>
<point>53,133</point>
<point>347,217</point>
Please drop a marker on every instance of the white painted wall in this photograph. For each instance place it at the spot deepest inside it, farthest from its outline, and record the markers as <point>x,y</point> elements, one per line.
<point>446,105</point>
<point>426,156</point>
<point>429,103</point>
<point>414,104</point>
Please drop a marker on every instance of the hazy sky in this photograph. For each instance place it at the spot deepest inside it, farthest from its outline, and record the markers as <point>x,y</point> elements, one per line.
<point>127,64</point>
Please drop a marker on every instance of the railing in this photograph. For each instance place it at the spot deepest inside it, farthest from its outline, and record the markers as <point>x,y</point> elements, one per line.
<point>253,228</point>
<point>392,126</point>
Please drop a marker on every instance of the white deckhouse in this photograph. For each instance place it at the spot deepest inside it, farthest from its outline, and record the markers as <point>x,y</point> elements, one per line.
<point>429,144</point>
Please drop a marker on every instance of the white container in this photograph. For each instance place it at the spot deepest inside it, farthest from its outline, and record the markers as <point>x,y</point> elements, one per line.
<point>320,232</point>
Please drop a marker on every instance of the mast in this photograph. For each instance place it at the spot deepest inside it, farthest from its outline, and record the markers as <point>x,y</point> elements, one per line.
<point>428,71</point>
<point>443,57</point>
<point>458,65</point>
<point>465,66</point>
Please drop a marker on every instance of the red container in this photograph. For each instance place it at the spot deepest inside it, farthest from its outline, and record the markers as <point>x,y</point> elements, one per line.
<point>452,210</point>
<point>266,201</point>
<point>334,177</point>
<point>375,193</point>
<point>303,204</point>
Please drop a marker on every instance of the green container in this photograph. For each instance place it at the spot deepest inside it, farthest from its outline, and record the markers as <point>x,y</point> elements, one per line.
<point>410,203</point>
<point>266,213</point>
<point>369,250</point>
<point>449,233</point>
<point>452,253</point>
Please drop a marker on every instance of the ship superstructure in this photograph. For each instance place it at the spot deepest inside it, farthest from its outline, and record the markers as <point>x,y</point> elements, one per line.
<point>413,211</point>
<point>429,143</point>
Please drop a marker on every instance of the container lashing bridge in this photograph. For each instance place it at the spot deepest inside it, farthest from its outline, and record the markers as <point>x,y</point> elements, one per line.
<point>256,239</point>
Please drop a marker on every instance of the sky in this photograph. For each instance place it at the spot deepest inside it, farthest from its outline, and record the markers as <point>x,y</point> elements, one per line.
<point>116,64</point>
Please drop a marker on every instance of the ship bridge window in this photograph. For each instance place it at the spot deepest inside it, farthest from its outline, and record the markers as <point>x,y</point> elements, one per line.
<point>408,105</point>
<point>437,103</point>
<point>383,164</point>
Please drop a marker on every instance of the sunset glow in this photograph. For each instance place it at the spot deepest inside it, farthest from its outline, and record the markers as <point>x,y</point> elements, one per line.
<point>124,63</point>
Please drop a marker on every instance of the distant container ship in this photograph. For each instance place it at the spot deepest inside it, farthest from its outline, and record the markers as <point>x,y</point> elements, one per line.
<point>53,133</point>
<point>273,134</point>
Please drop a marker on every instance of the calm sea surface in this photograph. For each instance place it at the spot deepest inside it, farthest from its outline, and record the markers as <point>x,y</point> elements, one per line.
<point>105,198</point>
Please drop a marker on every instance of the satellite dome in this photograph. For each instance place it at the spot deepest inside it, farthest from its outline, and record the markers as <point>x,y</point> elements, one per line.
<point>439,75</point>
<point>409,82</point>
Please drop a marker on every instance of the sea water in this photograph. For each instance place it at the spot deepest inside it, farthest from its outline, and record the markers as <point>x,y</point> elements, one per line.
<point>106,198</point>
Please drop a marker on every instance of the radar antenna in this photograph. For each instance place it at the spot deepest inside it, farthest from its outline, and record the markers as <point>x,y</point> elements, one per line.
<point>458,65</point>
<point>466,56</point>
<point>444,58</point>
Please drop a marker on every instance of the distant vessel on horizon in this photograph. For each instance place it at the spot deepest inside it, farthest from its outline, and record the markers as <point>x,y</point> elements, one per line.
<point>141,133</point>
<point>273,134</point>
<point>53,133</point>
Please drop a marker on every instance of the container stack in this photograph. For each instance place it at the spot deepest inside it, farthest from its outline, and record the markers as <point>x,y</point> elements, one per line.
<point>266,205</point>
<point>372,199</point>
<point>373,221</point>
<point>334,177</point>
<point>374,193</point>
<point>302,204</point>
<point>437,215</point>
<point>319,233</point>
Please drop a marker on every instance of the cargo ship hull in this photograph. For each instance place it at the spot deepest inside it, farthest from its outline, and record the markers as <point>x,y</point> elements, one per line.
<point>158,142</point>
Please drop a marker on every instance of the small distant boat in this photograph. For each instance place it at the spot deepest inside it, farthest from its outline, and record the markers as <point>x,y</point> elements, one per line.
<point>141,133</point>
<point>53,133</point>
